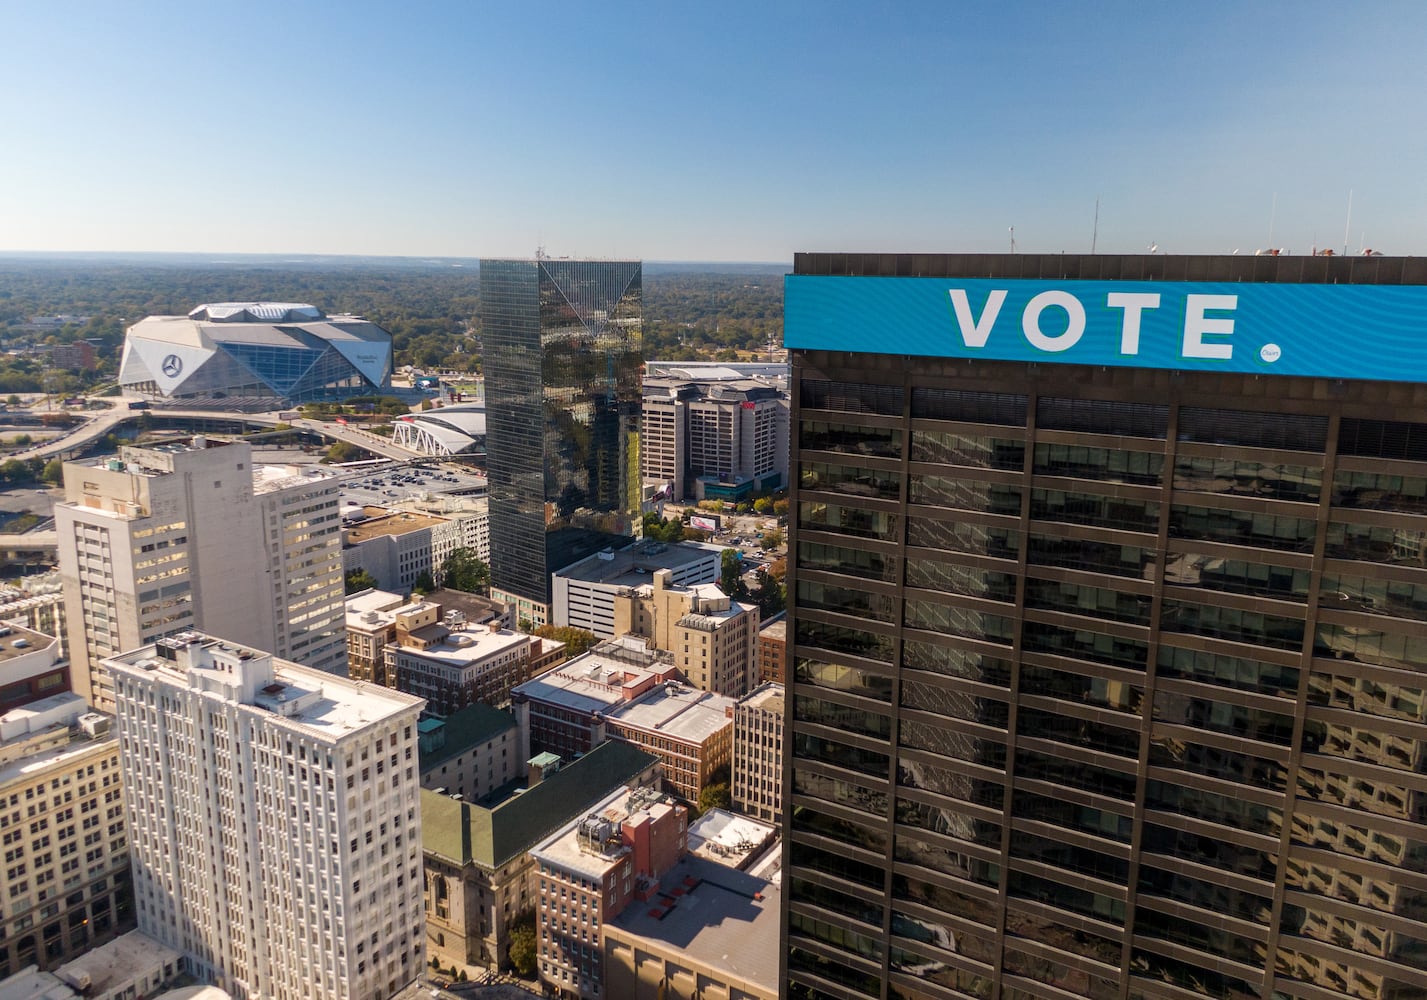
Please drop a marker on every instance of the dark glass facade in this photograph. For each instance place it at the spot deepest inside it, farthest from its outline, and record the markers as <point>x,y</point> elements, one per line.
<point>1108,683</point>
<point>562,368</point>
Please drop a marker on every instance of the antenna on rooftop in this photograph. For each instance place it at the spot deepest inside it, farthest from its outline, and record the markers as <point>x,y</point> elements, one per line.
<point>1347,228</point>
<point>1095,232</point>
<point>1013,239</point>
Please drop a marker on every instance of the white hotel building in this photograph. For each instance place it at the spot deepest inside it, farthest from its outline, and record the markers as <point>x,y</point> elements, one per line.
<point>274,820</point>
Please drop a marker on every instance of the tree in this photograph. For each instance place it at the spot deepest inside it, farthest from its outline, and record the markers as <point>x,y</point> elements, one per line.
<point>464,570</point>
<point>662,530</point>
<point>731,574</point>
<point>522,947</point>
<point>771,595</point>
<point>772,539</point>
<point>16,473</point>
<point>714,796</point>
<point>763,505</point>
<point>424,584</point>
<point>576,640</point>
<point>360,579</point>
<point>340,451</point>
<point>53,472</point>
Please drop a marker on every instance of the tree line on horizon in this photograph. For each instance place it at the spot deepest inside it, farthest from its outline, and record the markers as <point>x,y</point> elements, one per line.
<point>433,314</point>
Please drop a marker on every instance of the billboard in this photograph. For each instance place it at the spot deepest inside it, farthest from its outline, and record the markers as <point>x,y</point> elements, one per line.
<point>705,522</point>
<point>1329,331</point>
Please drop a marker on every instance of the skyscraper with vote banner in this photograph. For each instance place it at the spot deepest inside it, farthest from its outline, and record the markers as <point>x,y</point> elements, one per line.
<point>1108,607</point>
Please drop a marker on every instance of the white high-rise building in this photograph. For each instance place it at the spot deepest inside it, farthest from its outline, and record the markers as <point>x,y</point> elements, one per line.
<point>274,820</point>
<point>191,535</point>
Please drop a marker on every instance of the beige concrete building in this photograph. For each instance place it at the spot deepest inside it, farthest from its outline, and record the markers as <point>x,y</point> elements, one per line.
<point>716,940</point>
<point>479,873</point>
<point>710,636</point>
<point>773,651</point>
<point>618,855</point>
<point>190,535</point>
<point>584,592</point>
<point>274,820</point>
<point>471,753</point>
<point>758,754</point>
<point>371,626</point>
<point>64,835</point>
<point>397,547</point>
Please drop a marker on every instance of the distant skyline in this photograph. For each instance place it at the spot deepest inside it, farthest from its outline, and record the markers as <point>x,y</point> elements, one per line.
<point>728,132</point>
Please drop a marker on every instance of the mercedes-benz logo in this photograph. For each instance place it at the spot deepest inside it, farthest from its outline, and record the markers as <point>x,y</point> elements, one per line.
<point>172,365</point>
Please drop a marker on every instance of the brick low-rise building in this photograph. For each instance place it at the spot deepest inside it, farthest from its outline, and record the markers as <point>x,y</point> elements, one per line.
<point>616,856</point>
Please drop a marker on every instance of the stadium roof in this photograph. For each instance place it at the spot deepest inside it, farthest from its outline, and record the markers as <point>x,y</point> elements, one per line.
<point>445,431</point>
<point>287,349</point>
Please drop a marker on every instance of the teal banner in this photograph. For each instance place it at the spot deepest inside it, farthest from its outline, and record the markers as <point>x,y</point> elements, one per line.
<point>1328,331</point>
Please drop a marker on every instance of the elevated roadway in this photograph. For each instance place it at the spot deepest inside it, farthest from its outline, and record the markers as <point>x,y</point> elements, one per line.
<point>100,424</point>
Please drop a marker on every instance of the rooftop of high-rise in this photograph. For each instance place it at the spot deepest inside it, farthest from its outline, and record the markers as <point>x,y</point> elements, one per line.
<point>321,703</point>
<point>632,566</point>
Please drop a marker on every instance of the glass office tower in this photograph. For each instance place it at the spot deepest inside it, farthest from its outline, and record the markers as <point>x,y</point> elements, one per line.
<point>562,369</point>
<point>1109,677</point>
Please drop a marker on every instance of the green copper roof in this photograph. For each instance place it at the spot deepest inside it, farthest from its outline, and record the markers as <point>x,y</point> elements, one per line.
<point>461,832</point>
<point>471,726</point>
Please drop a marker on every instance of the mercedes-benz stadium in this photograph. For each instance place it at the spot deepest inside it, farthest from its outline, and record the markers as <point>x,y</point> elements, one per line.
<point>286,352</point>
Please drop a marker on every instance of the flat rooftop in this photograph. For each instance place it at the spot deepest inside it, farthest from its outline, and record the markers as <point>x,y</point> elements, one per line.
<point>777,630</point>
<point>727,838</point>
<point>396,484</point>
<point>566,850</point>
<point>765,698</point>
<point>32,984</point>
<point>632,566</point>
<point>17,641</point>
<point>271,478</point>
<point>76,744</point>
<point>477,609</point>
<point>460,648</point>
<point>120,960</point>
<point>397,523</point>
<point>381,603</point>
<point>463,832</point>
<point>592,682</point>
<point>323,704</point>
<point>679,712</point>
<point>719,921</point>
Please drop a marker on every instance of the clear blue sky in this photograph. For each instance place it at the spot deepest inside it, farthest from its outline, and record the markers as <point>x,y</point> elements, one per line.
<point>714,131</point>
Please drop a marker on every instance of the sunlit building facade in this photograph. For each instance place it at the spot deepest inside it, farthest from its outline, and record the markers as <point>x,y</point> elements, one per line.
<point>1106,600</point>
<point>561,362</point>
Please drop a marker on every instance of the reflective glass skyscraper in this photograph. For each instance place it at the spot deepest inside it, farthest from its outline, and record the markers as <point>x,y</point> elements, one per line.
<point>1108,596</point>
<point>562,357</point>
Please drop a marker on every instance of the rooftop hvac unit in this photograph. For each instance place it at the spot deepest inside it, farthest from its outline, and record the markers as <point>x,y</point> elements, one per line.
<point>94,724</point>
